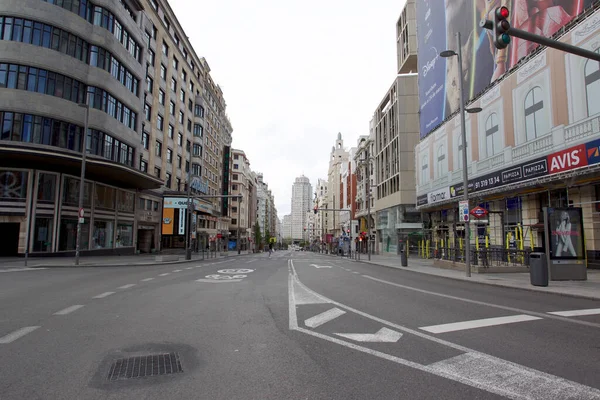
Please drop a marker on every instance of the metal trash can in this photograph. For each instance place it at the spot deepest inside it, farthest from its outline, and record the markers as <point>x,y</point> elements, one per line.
<point>403,256</point>
<point>538,269</point>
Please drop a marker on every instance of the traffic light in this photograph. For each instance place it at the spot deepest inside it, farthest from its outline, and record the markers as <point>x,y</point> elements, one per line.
<point>315,210</point>
<point>501,27</point>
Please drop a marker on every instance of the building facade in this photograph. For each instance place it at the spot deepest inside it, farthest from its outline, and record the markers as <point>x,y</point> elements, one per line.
<point>53,58</point>
<point>337,158</point>
<point>301,203</point>
<point>365,182</point>
<point>534,145</point>
<point>286,226</point>
<point>241,185</point>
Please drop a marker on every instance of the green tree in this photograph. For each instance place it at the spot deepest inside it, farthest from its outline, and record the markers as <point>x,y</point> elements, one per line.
<point>257,236</point>
<point>267,236</point>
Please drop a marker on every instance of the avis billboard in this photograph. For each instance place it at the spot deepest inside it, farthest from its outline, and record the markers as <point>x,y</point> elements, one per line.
<point>437,24</point>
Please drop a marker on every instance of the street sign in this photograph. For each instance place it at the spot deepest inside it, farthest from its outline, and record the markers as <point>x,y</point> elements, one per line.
<point>479,212</point>
<point>81,220</point>
<point>463,210</point>
<point>81,215</point>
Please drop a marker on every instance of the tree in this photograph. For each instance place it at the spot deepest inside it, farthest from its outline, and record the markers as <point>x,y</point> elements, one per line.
<point>267,236</point>
<point>257,236</point>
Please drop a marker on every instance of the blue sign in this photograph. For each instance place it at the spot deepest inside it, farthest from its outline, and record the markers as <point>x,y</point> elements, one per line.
<point>593,151</point>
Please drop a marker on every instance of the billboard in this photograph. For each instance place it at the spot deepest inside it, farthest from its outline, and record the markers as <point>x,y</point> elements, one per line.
<point>438,21</point>
<point>566,233</point>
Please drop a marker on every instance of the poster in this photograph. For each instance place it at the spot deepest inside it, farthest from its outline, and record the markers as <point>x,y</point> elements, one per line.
<point>438,21</point>
<point>566,233</point>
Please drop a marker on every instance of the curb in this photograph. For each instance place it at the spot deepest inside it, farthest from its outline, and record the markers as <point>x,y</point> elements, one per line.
<point>500,284</point>
<point>132,264</point>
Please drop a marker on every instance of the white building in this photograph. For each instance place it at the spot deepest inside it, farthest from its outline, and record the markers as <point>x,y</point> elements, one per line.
<point>262,204</point>
<point>301,203</point>
<point>321,203</point>
<point>287,227</point>
<point>339,157</point>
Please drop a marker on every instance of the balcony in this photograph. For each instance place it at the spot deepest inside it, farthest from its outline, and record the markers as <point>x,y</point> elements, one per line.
<point>537,146</point>
<point>491,163</point>
<point>582,129</point>
<point>458,174</point>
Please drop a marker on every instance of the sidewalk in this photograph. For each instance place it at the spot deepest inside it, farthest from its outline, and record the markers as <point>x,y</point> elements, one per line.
<point>589,289</point>
<point>110,261</point>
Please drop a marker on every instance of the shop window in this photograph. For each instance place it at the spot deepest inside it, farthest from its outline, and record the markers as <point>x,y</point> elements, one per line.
<point>71,192</point>
<point>125,201</point>
<point>103,235</point>
<point>68,235</point>
<point>46,188</point>
<point>124,235</point>
<point>42,234</point>
<point>592,86</point>
<point>104,197</point>
<point>13,184</point>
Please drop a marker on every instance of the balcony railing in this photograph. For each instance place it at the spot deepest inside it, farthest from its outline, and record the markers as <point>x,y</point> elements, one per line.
<point>582,129</point>
<point>538,146</point>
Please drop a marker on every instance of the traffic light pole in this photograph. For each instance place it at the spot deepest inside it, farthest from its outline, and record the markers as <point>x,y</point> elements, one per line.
<point>544,41</point>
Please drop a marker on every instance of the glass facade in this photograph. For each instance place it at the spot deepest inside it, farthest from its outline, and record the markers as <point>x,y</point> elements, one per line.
<point>103,235</point>
<point>13,184</point>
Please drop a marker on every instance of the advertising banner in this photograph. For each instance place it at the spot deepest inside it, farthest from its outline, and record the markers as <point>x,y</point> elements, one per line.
<point>167,222</point>
<point>438,21</point>
<point>182,221</point>
<point>566,233</point>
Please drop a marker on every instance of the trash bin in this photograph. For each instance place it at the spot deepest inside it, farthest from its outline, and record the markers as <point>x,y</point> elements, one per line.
<point>538,269</point>
<point>403,256</point>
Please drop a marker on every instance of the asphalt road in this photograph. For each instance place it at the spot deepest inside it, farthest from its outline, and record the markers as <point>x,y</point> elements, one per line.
<point>293,326</point>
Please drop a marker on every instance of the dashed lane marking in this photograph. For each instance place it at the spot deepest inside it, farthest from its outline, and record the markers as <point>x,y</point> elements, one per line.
<point>68,310</point>
<point>129,285</point>
<point>147,279</point>
<point>165,274</point>
<point>576,313</point>
<point>478,323</point>
<point>176,270</point>
<point>11,337</point>
<point>324,317</point>
<point>103,295</point>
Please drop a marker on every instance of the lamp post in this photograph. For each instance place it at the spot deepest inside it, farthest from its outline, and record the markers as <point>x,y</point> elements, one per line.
<point>237,242</point>
<point>188,232</point>
<point>458,54</point>
<point>82,178</point>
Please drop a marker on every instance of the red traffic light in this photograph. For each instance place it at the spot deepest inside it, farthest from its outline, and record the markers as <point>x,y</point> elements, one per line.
<point>503,12</point>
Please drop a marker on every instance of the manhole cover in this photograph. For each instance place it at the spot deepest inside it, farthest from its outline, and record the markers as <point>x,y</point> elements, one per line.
<point>145,366</point>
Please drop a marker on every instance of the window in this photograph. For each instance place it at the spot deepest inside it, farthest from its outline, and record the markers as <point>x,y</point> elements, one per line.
<point>165,48</point>
<point>170,131</point>
<point>173,84</point>
<point>179,161</point>
<point>236,166</point>
<point>161,97</point>
<point>176,39</point>
<point>171,107</point>
<point>235,177</point>
<point>154,5</point>
<point>159,122</point>
<point>151,57</point>
<point>191,87</point>
<point>188,146</point>
<point>183,76</point>
<point>197,150</point>
<point>190,106</point>
<point>199,111</point>
<point>234,187</point>
<point>175,63</point>
<point>168,180</point>
<point>158,149</point>
<point>187,166</point>
<point>492,136</point>
<point>236,156</point>
<point>157,172</point>
<point>169,156</point>
<point>182,95</point>
<point>147,111</point>
<point>196,169</point>
<point>534,106</point>
<point>181,117</point>
<point>460,151</point>
<point>178,184</point>
<point>104,197</point>
<point>180,139</point>
<point>154,30</point>
<point>143,166</point>
<point>149,84</point>
<point>198,130</point>
<point>163,72</point>
<point>592,86</point>
<point>189,125</point>
<point>145,140</point>
<point>424,170</point>
<point>441,161</point>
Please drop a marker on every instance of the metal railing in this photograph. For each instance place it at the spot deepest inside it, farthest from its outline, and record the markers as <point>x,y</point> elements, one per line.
<point>492,257</point>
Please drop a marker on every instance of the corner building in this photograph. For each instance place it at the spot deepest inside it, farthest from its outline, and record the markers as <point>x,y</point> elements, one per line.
<point>53,57</point>
<point>535,144</point>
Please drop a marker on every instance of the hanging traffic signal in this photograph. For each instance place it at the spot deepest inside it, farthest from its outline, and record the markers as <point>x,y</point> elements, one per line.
<point>315,210</point>
<point>501,27</point>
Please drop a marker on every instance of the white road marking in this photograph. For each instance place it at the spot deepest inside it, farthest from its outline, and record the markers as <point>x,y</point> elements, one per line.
<point>576,313</point>
<point>129,285</point>
<point>478,323</point>
<point>165,274</point>
<point>324,317</point>
<point>354,272</point>
<point>103,295</point>
<point>384,335</point>
<point>147,279</point>
<point>11,337</point>
<point>483,303</point>
<point>218,281</point>
<point>68,310</point>
<point>250,261</point>
<point>235,271</point>
<point>21,269</point>
<point>475,369</point>
<point>176,270</point>
<point>189,267</point>
<point>320,266</point>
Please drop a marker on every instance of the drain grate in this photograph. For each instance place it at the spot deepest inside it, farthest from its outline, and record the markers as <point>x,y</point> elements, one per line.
<point>145,366</point>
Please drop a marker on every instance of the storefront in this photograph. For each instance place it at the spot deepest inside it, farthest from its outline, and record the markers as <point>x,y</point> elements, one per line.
<point>175,223</point>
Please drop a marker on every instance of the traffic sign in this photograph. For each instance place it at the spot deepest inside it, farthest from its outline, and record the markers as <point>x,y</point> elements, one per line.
<point>81,220</point>
<point>463,210</point>
<point>479,212</point>
<point>81,213</point>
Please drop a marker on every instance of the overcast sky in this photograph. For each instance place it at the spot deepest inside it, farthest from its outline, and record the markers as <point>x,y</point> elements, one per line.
<point>294,74</point>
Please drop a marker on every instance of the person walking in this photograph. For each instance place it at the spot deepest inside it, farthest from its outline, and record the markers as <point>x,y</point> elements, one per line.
<point>270,249</point>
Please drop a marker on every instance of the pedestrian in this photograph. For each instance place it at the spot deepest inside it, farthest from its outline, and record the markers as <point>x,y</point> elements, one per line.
<point>270,249</point>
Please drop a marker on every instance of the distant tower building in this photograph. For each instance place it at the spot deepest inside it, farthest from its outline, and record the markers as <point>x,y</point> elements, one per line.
<point>301,203</point>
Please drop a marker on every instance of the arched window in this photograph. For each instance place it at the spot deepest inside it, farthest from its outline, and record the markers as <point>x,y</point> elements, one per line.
<point>441,160</point>
<point>424,170</point>
<point>492,136</point>
<point>534,106</point>
<point>592,86</point>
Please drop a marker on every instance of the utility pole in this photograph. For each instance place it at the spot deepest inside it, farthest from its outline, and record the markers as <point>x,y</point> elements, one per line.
<point>82,177</point>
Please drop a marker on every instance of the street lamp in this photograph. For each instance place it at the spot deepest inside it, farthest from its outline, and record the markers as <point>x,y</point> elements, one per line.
<point>82,177</point>
<point>458,54</point>
<point>237,242</point>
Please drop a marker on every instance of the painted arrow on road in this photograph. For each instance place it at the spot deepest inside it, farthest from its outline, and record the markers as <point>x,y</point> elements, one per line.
<point>384,335</point>
<point>320,266</point>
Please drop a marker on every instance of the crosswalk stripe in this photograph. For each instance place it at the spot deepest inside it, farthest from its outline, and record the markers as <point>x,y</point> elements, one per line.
<point>478,323</point>
<point>324,317</point>
<point>576,313</point>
